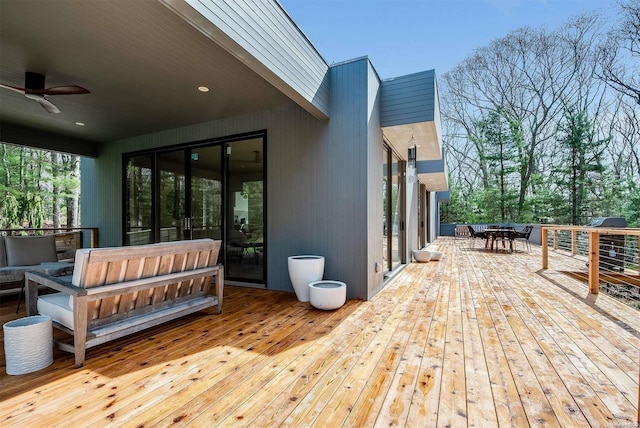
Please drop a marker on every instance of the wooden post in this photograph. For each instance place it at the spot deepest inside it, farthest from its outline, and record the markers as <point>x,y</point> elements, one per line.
<point>555,239</point>
<point>594,262</point>
<point>94,238</point>
<point>31,298</point>
<point>574,242</point>
<point>544,236</point>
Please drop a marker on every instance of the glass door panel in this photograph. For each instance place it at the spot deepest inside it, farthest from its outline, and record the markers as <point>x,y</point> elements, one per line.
<point>386,215</point>
<point>244,246</point>
<point>206,193</point>
<point>171,196</point>
<point>396,207</point>
<point>139,204</point>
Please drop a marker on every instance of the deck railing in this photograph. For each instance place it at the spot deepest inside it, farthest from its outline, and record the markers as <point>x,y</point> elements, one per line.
<point>93,232</point>
<point>611,254</point>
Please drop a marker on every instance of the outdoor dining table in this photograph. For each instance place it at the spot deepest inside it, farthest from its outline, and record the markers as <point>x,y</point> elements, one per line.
<point>504,232</point>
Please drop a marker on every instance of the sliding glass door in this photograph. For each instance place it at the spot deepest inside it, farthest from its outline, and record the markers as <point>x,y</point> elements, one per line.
<point>213,190</point>
<point>171,201</point>
<point>393,209</point>
<point>245,209</point>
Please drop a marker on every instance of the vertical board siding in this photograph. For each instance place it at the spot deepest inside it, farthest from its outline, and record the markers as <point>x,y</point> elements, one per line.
<point>264,31</point>
<point>317,178</point>
<point>374,186</point>
<point>409,99</point>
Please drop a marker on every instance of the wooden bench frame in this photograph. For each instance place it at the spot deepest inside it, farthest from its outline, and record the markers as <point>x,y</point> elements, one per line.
<point>122,293</point>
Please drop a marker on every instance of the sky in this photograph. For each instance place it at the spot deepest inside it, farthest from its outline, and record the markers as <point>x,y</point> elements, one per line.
<point>407,36</point>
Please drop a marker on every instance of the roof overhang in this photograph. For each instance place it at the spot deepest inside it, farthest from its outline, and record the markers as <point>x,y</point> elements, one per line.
<point>410,117</point>
<point>143,61</point>
<point>433,174</point>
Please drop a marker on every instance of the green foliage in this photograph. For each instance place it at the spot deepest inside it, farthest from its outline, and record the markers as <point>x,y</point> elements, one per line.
<point>32,182</point>
<point>631,205</point>
<point>580,167</point>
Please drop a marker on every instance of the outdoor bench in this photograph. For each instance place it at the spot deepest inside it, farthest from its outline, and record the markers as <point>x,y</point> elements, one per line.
<point>122,290</point>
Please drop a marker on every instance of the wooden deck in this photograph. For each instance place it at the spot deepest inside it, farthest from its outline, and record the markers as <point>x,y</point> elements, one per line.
<point>477,339</point>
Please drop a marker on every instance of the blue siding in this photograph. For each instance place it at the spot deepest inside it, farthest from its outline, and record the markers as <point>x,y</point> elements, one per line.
<point>409,99</point>
<point>430,166</point>
<point>444,195</point>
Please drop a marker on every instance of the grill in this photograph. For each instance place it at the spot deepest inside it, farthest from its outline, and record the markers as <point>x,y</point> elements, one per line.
<point>611,245</point>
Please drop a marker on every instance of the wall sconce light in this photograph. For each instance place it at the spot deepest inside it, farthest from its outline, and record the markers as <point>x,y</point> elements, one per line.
<point>412,156</point>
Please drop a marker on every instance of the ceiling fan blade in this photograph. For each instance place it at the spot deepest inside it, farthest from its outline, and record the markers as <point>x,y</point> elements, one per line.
<point>13,88</point>
<point>66,90</point>
<point>48,105</point>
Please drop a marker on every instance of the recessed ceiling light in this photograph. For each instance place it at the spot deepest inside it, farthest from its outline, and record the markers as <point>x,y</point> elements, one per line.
<point>79,123</point>
<point>203,89</point>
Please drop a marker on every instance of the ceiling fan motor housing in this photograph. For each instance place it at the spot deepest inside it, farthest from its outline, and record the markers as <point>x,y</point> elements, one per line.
<point>33,81</point>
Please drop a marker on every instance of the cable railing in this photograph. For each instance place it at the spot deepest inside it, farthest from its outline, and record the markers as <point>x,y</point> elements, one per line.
<point>607,258</point>
<point>93,232</point>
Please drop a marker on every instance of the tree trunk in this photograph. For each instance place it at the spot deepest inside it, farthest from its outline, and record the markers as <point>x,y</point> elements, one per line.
<point>73,209</point>
<point>56,199</point>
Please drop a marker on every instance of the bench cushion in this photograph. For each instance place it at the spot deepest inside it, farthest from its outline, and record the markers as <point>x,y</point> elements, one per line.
<point>30,250</point>
<point>57,306</point>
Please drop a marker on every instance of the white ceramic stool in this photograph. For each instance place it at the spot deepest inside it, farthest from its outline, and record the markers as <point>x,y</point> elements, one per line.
<point>422,255</point>
<point>327,295</point>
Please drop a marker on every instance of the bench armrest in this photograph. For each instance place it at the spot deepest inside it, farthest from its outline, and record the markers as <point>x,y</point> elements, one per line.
<point>34,279</point>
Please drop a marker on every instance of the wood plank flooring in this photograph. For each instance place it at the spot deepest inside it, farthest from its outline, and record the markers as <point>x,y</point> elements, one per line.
<point>477,339</point>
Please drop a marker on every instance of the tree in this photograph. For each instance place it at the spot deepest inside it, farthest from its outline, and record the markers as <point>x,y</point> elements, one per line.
<point>56,188</point>
<point>581,163</point>
<point>38,188</point>
<point>619,54</point>
<point>500,152</point>
<point>526,77</point>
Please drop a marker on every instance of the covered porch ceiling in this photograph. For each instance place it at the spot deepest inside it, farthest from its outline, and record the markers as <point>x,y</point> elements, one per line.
<point>430,166</point>
<point>141,60</point>
<point>423,135</point>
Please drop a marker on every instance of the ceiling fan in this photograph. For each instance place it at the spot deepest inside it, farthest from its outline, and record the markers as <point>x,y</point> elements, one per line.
<point>34,89</point>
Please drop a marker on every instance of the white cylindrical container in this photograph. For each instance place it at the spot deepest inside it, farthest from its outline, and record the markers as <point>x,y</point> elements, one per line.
<point>327,295</point>
<point>28,344</point>
<point>303,270</point>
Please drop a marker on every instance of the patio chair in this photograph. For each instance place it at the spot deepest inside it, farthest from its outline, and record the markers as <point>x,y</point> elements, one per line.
<point>462,231</point>
<point>473,235</point>
<point>524,235</point>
